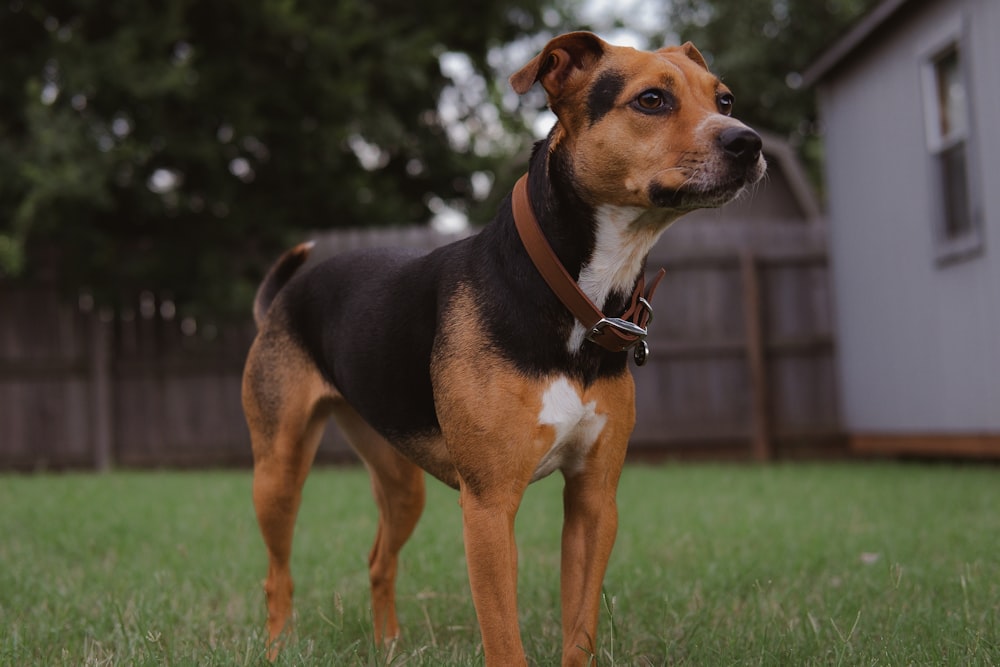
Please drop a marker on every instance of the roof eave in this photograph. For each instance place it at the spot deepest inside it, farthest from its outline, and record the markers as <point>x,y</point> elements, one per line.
<point>852,39</point>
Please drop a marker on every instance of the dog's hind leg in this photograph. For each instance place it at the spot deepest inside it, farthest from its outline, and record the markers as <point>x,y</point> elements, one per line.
<point>398,487</point>
<point>286,411</point>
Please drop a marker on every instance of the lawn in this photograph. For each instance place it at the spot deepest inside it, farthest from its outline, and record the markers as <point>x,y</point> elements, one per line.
<point>846,564</point>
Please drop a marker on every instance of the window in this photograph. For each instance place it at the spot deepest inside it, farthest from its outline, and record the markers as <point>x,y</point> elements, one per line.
<point>957,228</point>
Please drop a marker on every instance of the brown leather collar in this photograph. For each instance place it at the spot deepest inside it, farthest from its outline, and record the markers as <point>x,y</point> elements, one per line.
<point>612,333</point>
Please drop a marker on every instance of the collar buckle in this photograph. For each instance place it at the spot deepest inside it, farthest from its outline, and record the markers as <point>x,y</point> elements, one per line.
<point>623,326</point>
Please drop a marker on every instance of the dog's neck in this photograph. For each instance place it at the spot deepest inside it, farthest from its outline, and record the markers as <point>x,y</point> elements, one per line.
<point>604,248</point>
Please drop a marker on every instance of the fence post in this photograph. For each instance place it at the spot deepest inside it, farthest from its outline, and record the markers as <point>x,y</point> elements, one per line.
<point>761,444</point>
<point>100,390</point>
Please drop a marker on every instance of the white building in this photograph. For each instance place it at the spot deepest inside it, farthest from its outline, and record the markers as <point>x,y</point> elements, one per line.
<point>910,99</point>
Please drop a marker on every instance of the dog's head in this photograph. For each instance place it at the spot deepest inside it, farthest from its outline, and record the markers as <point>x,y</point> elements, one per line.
<point>644,129</point>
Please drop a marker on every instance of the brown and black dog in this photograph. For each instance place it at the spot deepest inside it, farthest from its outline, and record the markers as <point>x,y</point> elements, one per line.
<point>463,363</point>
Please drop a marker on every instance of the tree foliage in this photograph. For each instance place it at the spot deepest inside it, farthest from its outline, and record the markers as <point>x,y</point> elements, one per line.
<point>176,146</point>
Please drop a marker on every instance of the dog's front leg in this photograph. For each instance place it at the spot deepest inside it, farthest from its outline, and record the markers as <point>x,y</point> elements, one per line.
<point>491,553</point>
<point>589,529</point>
<point>590,522</point>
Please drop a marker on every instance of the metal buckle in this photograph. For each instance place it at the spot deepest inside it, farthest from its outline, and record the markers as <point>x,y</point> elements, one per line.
<point>639,347</point>
<point>617,323</point>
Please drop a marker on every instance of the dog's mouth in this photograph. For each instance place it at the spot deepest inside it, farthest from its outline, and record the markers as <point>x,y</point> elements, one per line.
<point>706,187</point>
<point>693,196</point>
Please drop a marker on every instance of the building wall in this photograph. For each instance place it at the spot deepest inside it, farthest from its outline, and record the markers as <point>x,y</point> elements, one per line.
<point>918,341</point>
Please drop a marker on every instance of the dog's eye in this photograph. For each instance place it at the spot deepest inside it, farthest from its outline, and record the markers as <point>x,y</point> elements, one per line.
<point>652,100</point>
<point>725,102</point>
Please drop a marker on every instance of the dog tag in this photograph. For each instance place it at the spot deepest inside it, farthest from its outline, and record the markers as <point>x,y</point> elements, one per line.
<point>639,353</point>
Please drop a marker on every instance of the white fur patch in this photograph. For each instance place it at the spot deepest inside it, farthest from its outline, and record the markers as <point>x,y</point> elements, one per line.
<point>577,426</point>
<point>625,235</point>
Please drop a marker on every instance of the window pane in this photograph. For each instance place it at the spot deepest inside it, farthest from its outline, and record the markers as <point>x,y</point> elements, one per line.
<point>954,182</point>
<point>950,95</point>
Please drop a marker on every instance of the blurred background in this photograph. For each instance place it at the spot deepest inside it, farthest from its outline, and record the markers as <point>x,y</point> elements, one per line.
<point>156,157</point>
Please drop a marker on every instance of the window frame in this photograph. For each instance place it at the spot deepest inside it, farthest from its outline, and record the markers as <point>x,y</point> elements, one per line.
<point>952,36</point>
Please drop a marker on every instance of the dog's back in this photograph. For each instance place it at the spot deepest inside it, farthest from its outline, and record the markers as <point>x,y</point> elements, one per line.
<point>377,308</point>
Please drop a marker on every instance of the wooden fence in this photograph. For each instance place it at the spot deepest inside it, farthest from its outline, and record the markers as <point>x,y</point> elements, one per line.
<point>80,388</point>
<point>743,353</point>
<point>741,363</point>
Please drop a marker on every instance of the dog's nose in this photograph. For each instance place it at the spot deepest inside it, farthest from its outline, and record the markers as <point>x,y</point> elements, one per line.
<point>740,143</point>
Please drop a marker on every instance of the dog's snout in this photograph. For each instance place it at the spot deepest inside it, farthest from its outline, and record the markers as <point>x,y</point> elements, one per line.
<point>740,143</point>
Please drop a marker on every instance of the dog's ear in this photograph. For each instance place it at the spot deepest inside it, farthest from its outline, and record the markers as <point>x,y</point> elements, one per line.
<point>694,54</point>
<point>555,66</point>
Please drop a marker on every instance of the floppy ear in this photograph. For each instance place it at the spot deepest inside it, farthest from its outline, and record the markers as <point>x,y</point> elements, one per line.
<point>555,66</point>
<point>694,54</point>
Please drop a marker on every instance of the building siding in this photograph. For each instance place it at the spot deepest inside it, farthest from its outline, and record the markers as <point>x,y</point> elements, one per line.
<point>918,342</point>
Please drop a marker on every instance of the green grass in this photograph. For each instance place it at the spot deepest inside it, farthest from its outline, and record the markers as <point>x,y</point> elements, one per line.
<point>715,565</point>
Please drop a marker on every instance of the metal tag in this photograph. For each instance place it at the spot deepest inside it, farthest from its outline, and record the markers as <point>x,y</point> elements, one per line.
<point>640,352</point>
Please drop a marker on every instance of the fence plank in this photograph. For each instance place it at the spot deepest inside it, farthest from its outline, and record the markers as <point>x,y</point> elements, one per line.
<point>100,393</point>
<point>761,439</point>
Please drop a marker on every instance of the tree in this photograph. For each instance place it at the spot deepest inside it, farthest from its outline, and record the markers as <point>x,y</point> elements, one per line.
<point>177,146</point>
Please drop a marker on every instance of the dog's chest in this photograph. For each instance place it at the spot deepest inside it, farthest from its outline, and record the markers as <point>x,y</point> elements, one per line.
<point>624,237</point>
<point>577,425</point>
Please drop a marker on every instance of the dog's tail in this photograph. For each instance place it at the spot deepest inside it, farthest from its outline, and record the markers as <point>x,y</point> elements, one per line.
<point>277,277</point>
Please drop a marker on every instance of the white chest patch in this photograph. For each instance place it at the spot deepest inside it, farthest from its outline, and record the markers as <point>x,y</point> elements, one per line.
<point>625,235</point>
<point>577,426</point>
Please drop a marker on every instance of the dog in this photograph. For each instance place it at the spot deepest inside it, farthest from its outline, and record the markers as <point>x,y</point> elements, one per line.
<point>473,364</point>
